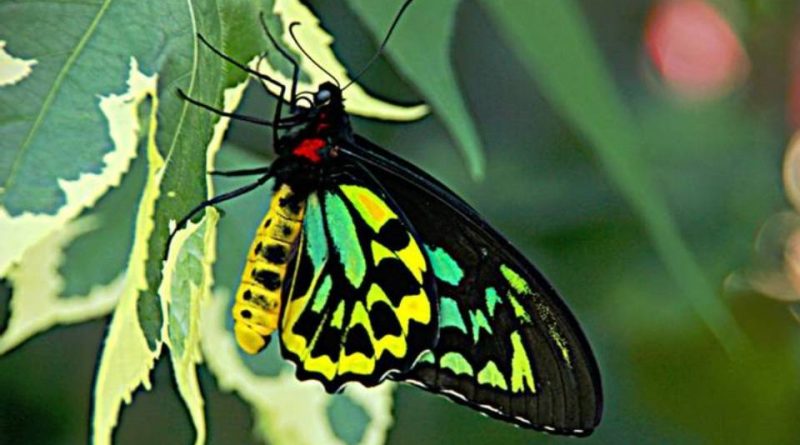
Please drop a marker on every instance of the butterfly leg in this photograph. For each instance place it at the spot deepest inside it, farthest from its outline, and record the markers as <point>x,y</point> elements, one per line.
<point>240,117</point>
<point>214,201</point>
<point>245,68</point>
<point>243,172</point>
<point>263,78</point>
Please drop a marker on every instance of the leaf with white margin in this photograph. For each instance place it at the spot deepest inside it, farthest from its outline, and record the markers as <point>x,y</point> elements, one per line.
<point>36,304</point>
<point>317,43</point>
<point>187,282</point>
<point>126,360</point>
<point>13,69</point>
<point>121,113</point>
<point>286,410</point>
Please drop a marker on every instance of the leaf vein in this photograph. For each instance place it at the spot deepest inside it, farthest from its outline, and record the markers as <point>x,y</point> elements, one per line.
<point>51,95</point>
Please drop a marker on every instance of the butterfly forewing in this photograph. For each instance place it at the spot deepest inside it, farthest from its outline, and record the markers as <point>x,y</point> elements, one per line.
<point>362,301</point>
<point>508,345</point>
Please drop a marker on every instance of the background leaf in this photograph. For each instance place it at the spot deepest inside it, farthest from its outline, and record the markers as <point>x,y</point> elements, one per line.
<point>420,49</point>
<point>127,358</point>
<point>39,303</point>
<point>187,283</point>
<point>317,43</point>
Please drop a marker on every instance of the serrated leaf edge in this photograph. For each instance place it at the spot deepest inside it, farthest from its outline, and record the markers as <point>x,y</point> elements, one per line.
<point>126,359</point>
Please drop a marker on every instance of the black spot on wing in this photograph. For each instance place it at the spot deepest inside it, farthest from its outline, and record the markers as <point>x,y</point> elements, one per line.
<point>396,280</point>
<point>307,324</point>
<point>358,341</point>
<point>384,321</point>
<point>328,343</point>
<point>393,235</point>
<point>302,281</point>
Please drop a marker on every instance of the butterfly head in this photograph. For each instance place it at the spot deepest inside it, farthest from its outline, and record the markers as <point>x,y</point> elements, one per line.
<point>327,116</point>
<point>328,94</point>
<point>324,123</point>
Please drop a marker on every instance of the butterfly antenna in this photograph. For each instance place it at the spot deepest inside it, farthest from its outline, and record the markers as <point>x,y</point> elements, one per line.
<point>287,56</point>
<point>308,56</point>
<point>383,44</point>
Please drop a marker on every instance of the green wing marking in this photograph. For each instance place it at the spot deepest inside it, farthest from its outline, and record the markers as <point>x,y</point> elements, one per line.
<point>447,269</point>
<point>456,362</point>
<point>502,352</point>
<point>492,300</point>
<point>479,322</point>
<point>521,372</point>
<point>343,233</point>
<point>492,376</point>
<point>451,315</point>
<point>508,346</point>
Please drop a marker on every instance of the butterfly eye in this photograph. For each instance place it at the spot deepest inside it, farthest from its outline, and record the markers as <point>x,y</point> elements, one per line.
<point>322,96</point>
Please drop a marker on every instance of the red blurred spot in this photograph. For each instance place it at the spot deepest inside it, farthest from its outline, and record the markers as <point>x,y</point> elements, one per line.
<point>309,148</point>
<point>694,48</point>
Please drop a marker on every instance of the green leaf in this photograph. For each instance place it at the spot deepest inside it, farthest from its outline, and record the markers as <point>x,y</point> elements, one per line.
<point>38,303</point>
<point>52,126</point>
<point>62,146</point>
<point>184,132</point>
<point>135,335</point>
<point>102,254</point>
<point>420,48</point>
<point>552,40</point>
<point>127,357</point>
<point>187,282</point>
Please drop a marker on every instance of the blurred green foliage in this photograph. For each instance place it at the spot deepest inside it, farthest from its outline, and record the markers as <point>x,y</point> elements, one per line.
<point>712,169</point>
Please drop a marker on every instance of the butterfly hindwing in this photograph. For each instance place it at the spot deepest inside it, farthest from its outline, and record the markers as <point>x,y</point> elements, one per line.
<point>508,346</point>
<point>361,304</point>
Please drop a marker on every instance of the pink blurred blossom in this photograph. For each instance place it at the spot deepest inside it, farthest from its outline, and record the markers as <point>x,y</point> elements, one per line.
<point>694,49</point>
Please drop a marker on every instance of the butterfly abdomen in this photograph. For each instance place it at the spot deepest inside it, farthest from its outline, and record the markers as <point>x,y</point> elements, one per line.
<point>258,300</point>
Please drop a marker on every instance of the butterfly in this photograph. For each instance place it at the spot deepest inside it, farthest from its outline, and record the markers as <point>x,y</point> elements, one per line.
<point>370,269</point>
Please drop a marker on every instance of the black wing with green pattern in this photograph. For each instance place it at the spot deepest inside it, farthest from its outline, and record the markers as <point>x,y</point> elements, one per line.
<point>361,304</point>
<point>508,345</point>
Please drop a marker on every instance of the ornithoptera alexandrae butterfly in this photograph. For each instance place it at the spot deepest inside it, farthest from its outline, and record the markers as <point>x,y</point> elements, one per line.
<point>370,269</point>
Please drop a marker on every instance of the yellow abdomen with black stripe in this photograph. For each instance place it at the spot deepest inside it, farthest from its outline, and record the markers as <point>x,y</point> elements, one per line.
<point>258,300</point>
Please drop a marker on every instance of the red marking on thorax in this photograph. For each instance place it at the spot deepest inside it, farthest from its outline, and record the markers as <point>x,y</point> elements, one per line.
<point>309,148</point>
<point>321,125</point>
